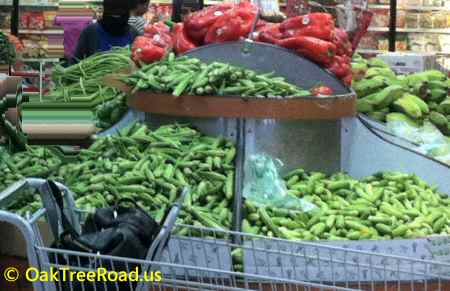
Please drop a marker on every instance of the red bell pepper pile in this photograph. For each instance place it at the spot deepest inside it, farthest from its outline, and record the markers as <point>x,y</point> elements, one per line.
<point>214,24</point>
<point>181,42</point>
<point>315,37</point>
<point>153,45</point>
<point>220,23</point>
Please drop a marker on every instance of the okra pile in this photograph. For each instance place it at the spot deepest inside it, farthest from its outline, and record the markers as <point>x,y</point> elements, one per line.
<point>148,167</point>
<point>189,76</point>
<point>37,162</point>
<point>152,167</point>
<point>382,206</point>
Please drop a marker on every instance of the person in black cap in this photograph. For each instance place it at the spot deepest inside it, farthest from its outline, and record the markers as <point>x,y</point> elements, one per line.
<point>112,30</point>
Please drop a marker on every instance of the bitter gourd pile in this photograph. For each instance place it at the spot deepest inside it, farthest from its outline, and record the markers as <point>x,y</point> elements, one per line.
<point>382,206</point>
<point>413,99</point>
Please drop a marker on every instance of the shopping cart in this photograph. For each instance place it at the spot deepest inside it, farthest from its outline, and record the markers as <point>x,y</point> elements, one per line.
<point>175,276</point>
<point>263,258</point>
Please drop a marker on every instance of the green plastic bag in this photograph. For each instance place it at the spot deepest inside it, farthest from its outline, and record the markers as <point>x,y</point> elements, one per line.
<point>265,187</point>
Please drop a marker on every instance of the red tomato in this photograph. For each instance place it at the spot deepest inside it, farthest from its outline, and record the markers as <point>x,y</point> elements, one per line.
<point>321,91</point>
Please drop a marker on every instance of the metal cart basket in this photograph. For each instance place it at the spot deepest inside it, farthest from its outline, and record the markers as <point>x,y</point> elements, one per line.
<point>292,261</point>
<point>175,276</point>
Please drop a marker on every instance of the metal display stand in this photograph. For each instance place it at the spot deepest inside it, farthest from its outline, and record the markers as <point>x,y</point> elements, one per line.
<point>326,137</point>
<point>311,138</point>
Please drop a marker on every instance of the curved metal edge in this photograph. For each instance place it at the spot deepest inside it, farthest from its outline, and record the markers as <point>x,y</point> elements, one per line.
<point>365,151</point>
<point>25,227</point>
<point>27,231</point>
<point>411,149</point>
<point>248,41</point>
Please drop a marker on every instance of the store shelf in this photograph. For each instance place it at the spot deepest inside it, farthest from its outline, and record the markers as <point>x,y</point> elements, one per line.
<point>370,51</point>
<point>44,60</point>
<point>33,6</point>
<point>210,2</point>
<point>418,8</point>
<point>33,31</point>
<point>417,30</point>
<point>373,51</point>
<point>75,2</point>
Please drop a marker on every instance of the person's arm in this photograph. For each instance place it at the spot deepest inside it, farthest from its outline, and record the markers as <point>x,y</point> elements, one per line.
<point>138,23</point>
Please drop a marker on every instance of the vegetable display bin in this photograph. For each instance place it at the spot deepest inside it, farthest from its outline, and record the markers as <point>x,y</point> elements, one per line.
<point>317,134</point>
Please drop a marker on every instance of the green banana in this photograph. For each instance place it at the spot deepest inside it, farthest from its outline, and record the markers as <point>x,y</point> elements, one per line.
<point>444,107</point>
<point>419,89</point>
<point>385,72</point>
<point>363,106</point>
<point>434,75</point>
<point>438,119</point>
<point>376,62</point>
<point>432,105</point>
<point>359,70</point>
<point>416,78</point>
<point>396,116</point>
<point>409,107</point>
<point>437,95</point>
<point>385,97</point>
<point>389,95</point>
<point>437,85</point>
<point>378,115</point>
<point>366,87</point>
<point>419,102</point>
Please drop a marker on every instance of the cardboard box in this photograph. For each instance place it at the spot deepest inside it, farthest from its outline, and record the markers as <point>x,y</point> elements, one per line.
<point>408,63</point>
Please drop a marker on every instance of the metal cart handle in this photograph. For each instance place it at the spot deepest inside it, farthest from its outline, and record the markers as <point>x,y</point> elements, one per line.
<point>159,243</point>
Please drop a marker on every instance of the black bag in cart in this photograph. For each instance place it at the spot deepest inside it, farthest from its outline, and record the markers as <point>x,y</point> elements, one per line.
<point>114,231</point>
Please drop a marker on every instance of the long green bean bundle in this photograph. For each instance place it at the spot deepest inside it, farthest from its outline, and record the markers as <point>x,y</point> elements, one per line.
<point>93,68</point>
<point>81,86</point>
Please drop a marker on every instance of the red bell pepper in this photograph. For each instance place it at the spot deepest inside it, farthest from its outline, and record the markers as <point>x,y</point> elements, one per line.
<point>157,28</point>
<point>160,35</point>
<point>143,50</point>
<point>269,33</point>
<point>342,42</point>
<point>198,23</point>
<point>260,24</point>
<point>347,80</point>
<point>318,25</point>
<point>225,28</point>
<point>317,50</point>
<point>340,66</point>
<point>181,42</point>
<point>247,12</point>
